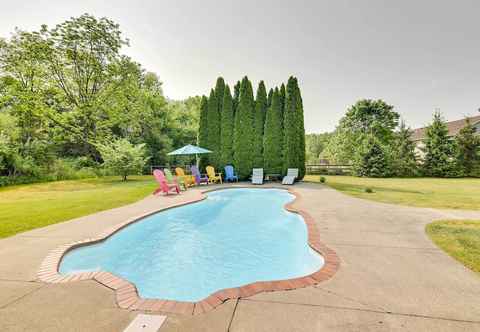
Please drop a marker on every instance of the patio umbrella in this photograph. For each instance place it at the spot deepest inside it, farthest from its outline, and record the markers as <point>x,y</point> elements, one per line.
<point>189,150</point>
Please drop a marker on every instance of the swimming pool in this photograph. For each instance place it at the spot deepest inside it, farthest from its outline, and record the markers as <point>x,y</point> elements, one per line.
<point>232,238</point>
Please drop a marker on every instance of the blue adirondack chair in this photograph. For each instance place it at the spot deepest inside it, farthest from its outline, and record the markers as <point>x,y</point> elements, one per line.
<point>230,174</point>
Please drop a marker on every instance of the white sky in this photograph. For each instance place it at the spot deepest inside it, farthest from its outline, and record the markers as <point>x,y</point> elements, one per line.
<point>417,55</point>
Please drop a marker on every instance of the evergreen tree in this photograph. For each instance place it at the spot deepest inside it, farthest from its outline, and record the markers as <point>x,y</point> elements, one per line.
<point>243,132</point>
<point>213,125</point>
<point>227,129</point>
<point>203,130</point>
<point>404,160</point>
<point>291,140</point>
<point>273,136</point>
<point>371,159</point>
<point>283,94</point>
<point>236,96</point>
<point>259,120</point>
<point>300,132</point>
<point>438,149</point>
<point>269,98</point>
<point>219,92</point>
<point>468,150</point>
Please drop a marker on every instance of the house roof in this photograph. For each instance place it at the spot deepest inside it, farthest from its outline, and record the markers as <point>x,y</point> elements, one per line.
<point>453,128</point>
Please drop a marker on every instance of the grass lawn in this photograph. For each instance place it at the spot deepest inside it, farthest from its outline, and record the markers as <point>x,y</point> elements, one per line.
<point>421,192</point>
<point>460,239</point>
<point>26,207</point>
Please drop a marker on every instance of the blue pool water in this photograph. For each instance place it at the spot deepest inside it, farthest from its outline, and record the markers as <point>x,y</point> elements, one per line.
<point>234,237</point>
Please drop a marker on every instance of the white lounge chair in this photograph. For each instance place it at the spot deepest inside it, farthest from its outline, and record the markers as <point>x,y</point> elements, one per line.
<point>292,174</point>
<point>257,176</point>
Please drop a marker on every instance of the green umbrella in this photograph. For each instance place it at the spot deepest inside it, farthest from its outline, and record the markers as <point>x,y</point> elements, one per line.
<point>189,149</point>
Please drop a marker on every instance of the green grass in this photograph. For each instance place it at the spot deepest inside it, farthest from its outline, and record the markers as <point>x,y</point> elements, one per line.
<point>26,207</point>
<point>421,192</point>
<point>460,239</point>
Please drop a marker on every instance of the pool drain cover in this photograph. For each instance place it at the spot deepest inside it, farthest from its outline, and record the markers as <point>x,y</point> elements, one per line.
<point>146,323</point>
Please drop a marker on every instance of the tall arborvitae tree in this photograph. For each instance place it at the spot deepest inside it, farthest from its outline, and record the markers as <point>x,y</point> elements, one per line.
<point>258,124</point>
<point>219,92</point>
<point>300,133</point>
<point>270,98</point>
<point>203,130</point>
<point>236,96</point>
<point>404,160</point>
<point>227,129</point>
<point>273,136</point>
<point>283,94</point>
<point>213,125</point>
<point>291,139</point>
<point>244,133</point>
<point>468,150</point>
<point>438,149</point>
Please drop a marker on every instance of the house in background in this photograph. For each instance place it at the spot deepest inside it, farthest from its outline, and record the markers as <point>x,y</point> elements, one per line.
<point>454,128</point>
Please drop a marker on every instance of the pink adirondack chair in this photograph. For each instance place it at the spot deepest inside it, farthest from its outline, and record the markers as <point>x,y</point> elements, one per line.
<point>164,186</point>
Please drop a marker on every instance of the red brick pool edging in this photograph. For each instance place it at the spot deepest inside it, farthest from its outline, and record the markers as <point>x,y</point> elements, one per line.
<point>126,292</point>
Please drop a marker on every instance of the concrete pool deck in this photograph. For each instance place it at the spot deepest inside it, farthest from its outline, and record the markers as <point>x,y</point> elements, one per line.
<point>392,277</point>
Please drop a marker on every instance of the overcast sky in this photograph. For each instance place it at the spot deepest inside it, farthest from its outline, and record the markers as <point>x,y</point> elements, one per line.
<point>417,55</point>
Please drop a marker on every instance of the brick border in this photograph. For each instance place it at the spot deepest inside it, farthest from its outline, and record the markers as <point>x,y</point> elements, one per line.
<point>126,293</point>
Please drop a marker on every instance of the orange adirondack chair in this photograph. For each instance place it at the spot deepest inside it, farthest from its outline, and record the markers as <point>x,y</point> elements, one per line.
<point>164,186</point>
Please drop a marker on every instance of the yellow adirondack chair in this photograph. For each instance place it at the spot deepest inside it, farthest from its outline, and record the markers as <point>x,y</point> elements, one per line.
<point>212,176</point>
<point>188,179</point>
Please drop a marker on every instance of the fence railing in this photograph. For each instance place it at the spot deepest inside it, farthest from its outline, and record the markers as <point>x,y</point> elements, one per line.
<point>171,167</point>
<point>315,169</point>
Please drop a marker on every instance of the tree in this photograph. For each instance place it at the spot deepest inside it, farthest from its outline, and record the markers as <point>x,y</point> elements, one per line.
<point>270,97</point>
<point>468,150</point>
<point>283,94</point>
<point>259,121</point>
<point>227,130</point>
<point>294,131</point>
<point>236,96</point>
<point>300,132</point>
<point>438,149</point>
<point>404,160</point>
<point>213,132</point>
<point>315,145</point>
<point>123,158</point>
<point>244,134</point>
<point>371,159</point>
<point>367,117</point>
<point>203,130</point>
<point>273,136</point>
<point>219,92</point>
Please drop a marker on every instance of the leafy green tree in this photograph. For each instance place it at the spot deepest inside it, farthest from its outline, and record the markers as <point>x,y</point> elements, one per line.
<point>371,159</point>
<point>213,132</point>
<point>273,136</point>
<point>259,121</point>
<point>438,149</point>
<point>283,94</point>
<point>244,132</point>
<point>227,130</point>
<point>203,130</point>
<point>123,158</point>
<point>366,117</point>
<point>404,160</point>
<point>468,150</point>
<point>315,145</point>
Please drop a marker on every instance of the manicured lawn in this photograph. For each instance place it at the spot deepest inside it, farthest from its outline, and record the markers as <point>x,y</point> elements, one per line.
<point>460,239</point>
<point>31,206</point>
<point>421,192</point>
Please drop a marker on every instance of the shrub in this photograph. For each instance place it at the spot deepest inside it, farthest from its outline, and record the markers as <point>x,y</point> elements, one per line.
<point>322,179</point>
<point>368,190</point>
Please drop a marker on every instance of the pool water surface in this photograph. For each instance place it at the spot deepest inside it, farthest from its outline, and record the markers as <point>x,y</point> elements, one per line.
<point>232,238</point>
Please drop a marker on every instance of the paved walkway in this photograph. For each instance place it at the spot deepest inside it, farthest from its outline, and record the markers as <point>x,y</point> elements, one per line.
<point>392,277</point>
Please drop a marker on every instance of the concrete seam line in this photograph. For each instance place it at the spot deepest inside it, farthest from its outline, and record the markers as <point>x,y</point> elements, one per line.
<point>22,297</point>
